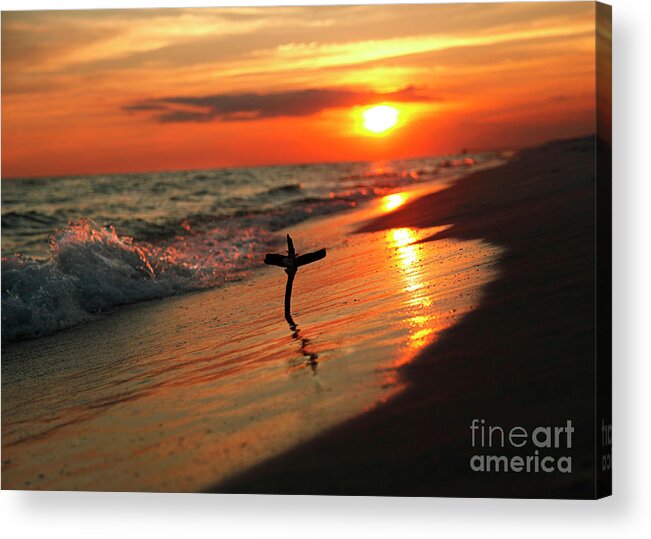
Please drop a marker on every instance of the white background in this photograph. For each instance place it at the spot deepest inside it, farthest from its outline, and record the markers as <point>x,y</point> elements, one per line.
<point>626,514</point>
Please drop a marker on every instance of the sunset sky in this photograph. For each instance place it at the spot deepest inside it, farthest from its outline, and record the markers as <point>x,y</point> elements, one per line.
<point>87,92</point>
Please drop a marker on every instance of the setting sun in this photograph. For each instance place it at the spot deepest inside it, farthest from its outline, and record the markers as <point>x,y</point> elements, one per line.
<point>380,118</point>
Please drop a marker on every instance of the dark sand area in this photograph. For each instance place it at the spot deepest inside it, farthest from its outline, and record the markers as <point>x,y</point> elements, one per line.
<point>524,357</point>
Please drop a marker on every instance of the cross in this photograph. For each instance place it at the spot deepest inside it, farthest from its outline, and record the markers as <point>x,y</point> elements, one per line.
<point>291,262</point>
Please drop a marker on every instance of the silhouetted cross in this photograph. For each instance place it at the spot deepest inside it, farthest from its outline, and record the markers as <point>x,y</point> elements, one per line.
<point>291,262</point>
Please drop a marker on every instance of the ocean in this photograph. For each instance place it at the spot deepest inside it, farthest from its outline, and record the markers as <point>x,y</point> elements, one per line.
<point>74,247</point>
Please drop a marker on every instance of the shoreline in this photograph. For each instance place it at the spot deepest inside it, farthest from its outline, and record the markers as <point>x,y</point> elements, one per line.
<point>374,392</point>
<point>89,269</point>
<point>173,394</point>
<point>531,331</point>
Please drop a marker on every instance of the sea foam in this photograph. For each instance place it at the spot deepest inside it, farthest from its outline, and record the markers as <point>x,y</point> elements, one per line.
<point>91,269</point>
<point>192,230</point>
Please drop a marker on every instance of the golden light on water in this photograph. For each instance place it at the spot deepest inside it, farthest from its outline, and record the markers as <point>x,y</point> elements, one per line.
<point>379,119</point>
<point>420,337</point>
<point>391,202</point>
<point>439,280</point>
<point>424,314</point>
<point>410,263</point>
<point>402,236</point>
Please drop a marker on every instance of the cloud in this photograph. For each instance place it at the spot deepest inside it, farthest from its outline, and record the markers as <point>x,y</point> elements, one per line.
<point>137,107</point>
<point>254,106</point>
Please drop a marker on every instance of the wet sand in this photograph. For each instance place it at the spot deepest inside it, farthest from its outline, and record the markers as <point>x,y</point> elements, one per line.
<point>524,356</point>
<point>177,394</point>
<point>432,307</point>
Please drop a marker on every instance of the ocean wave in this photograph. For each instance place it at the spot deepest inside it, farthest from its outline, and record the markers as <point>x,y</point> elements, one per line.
<point>91,269</point>
<point>161,234</point>
<point>286,188</point>
<point>14,219</point>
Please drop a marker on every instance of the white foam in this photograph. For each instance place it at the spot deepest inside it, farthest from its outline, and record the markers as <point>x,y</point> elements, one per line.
<point>91,269</point>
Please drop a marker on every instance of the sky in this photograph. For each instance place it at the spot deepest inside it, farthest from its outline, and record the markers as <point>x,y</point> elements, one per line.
<point>108,91</point>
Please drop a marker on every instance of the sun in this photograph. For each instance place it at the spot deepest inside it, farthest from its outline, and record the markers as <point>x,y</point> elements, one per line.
<point>380,118</point>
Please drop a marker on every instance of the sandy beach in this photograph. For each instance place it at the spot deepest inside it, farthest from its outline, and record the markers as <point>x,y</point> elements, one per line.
<point>177,393</point>
<point>524,356</point>
<point>435,305</point>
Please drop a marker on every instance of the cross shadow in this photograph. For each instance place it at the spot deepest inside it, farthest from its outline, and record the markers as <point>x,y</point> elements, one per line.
<point>309,357</point>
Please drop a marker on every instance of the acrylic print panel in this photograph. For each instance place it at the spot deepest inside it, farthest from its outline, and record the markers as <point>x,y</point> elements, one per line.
<point>427,185</point>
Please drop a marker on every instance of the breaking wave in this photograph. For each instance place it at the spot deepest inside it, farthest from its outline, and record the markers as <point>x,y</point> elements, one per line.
<point>169,233</point>
<point>91,269</point>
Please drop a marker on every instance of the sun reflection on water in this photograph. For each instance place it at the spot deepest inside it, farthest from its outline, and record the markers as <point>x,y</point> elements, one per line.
<point>393,201</point>
<point>410,260</point>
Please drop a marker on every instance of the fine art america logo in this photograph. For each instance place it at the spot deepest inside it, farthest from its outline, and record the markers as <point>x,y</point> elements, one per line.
<point>491,440</point>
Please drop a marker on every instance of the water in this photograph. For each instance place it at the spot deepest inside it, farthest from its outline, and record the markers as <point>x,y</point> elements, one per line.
<point>74,247</point>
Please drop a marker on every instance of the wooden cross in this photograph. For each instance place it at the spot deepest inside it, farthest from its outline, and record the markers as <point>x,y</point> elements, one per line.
<point>291,262</point>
